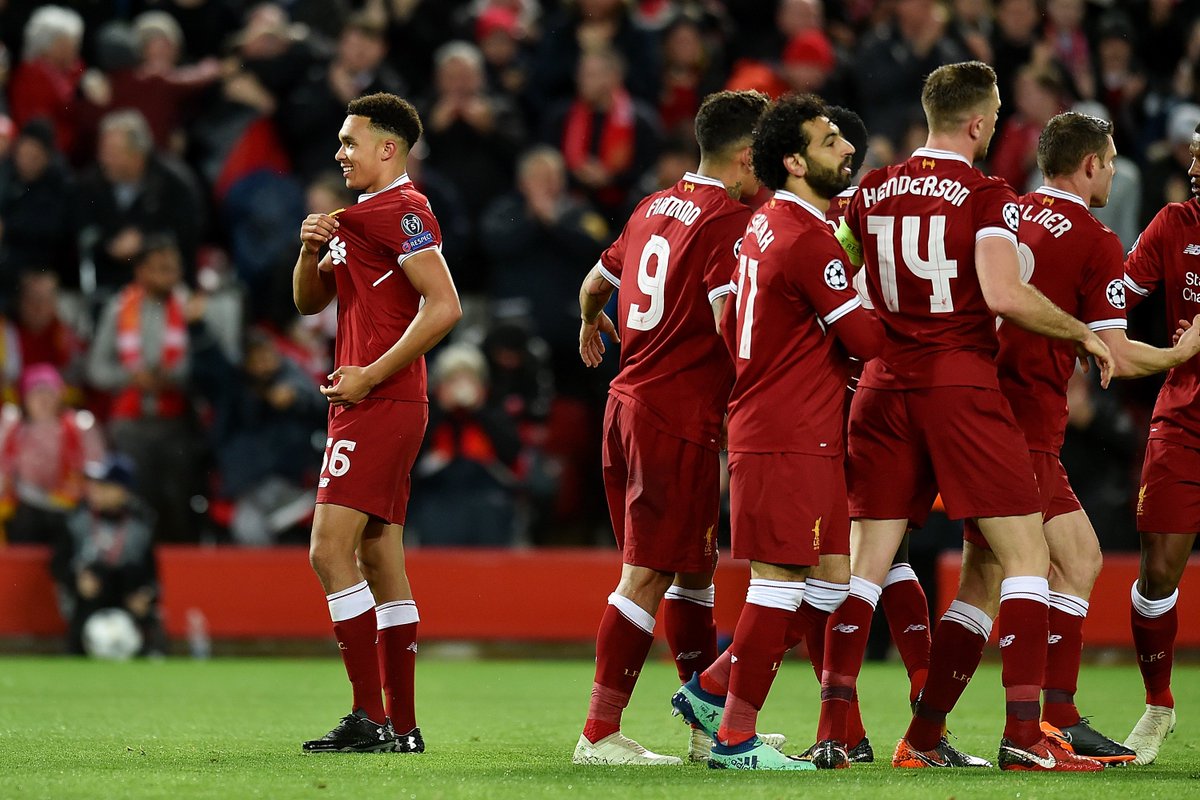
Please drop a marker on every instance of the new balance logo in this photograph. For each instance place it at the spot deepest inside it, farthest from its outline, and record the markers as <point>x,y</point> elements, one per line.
<point>412,647</point>
<point>1192,250</point>
<point>915,628</point>
<point>842,627</point>
<point>1053,638</point>
<point>732,659</point>
<point>1005,641</point>
<point>688,656</point>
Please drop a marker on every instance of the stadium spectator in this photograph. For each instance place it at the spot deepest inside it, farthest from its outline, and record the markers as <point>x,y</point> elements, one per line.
<point>43,450</point>
<point>808,61</point>
<point>534,237</point>
<point>35,208</point>
<point>464,481</point>
<point>318,103</point>
<point>503,40</point>
<point>1067,40</point>
<point>606,135</point>
<point>892,61</point>
<point>45,337</point>
<point>130,193</point>
<point>1039,96</point>
<point>105,557</point>
<point>1121,81</point>
<point>692,68</point>
<point>1014,44</point>
<point>140,356</point>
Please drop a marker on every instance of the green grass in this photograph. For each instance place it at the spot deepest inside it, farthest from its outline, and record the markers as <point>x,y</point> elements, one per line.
<point>231,728</point>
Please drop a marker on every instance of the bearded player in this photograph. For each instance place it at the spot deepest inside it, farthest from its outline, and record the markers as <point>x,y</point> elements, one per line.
<point>662,426</point>
<point>396,300</point>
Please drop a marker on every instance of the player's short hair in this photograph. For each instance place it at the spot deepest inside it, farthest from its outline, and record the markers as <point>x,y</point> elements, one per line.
<point>727,119</point>
<point>389,113</point>
<point>1068,139</point>
<point>854,131</point>
<point>954,92</point>
<point>781,133</point>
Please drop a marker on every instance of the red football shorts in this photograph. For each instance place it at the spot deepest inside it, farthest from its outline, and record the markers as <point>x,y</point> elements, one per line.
<point>663,494</point>
<point>369,454</point>
<point>906,446</point>
<point>1169,497</point>
<point>1058,497</point>
<point>788,508</point>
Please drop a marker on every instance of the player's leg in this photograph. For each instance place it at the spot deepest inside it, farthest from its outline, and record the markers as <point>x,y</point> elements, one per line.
<point>336,533</point>
<point>1075,563</point>
<point>907,612</point>
<point>1155,623</point>
<point>381,556</point>
<point>956,648</point>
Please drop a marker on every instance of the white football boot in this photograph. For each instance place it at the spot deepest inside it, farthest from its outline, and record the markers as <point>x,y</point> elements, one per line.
<point>1148,735</point>
<point>618,749</point>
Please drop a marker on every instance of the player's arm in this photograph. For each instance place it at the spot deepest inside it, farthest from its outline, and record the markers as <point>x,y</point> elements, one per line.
<point>429,275</point>
<point>1134,359</point>
<point>860,333</point>
<point>718,307</point>
<point>313,284</point>
<point>594,295</point>
<point>1016,301</point>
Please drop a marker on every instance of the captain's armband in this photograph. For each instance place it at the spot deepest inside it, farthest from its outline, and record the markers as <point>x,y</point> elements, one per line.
<point>850,244</point>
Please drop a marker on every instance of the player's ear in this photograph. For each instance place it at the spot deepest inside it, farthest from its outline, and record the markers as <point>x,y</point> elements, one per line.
<point>795,164</point>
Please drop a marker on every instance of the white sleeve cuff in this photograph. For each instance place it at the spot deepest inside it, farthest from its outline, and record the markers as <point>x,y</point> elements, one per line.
<point>720,291</point>
<point>842,310</point>
<point>1108,325</point>
<point>1003,233</point>
<point>733,287</point>
<point>1133,287</point>
<point>400,259</point>
<point>608,276</point>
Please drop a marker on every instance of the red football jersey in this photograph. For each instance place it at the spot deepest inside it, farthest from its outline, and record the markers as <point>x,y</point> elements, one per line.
<point>1168,253</point>
<point>1078,263</point>
<point>791,285</point>
<point>675,257</point>
<point>918,222</point>
<point>376,303</point>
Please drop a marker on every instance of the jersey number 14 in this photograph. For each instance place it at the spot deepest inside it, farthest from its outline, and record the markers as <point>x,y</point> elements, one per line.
<point>934,267</point>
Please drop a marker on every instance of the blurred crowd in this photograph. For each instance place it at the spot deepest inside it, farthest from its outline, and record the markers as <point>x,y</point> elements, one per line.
<point>157,157</point>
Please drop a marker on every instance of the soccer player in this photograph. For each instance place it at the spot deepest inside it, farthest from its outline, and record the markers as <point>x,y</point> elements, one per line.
<point>1168,508</point>
<point>939,243</point>
<point>1078,264</point>
<point>797,316</point>
<point>663,424</point>
<point>396,300</point>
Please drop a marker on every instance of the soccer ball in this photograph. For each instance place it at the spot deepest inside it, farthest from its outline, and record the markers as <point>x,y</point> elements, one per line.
<point>111,634</point>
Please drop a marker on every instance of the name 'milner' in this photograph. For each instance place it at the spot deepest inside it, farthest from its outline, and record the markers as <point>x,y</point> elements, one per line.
<point>949,190</point>
<point>685,211</point>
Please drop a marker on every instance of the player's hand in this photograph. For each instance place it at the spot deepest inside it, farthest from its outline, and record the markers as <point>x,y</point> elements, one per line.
<point>316,231</point>
<point>1095,347</point>
<point>1187,337</point>
<point>350,385</point>
<point>1182,327</point>
<point>591,346</point>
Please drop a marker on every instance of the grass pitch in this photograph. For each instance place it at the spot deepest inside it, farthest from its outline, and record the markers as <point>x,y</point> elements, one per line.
<point>231,728</point>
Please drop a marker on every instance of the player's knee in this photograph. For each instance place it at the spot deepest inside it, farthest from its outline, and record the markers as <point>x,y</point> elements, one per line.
<point>1160,576</point>
<point>1077,570</point>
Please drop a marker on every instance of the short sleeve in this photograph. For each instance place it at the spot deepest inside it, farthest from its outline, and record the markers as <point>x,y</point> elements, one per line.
<point>613,259</point>
<point>821,273</point>
<point>1102,304</point>
<point>996,210</point>
<point>724,247</point>
<point>1144,264</point>
<point>416,231</point>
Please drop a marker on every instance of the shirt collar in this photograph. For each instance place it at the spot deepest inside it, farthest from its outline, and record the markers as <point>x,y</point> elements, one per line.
<point>782,194</point>
<point>704,179</point>
<point>403,179</point>
<point>929,152</point>
<point>1062,195</point>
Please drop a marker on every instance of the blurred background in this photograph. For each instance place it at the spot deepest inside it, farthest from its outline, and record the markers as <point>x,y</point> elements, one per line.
<point>157,157</point>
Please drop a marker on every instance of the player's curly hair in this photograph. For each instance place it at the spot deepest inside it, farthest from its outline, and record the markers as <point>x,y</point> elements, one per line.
<point>390,113</point>
<point>1068,139</point>
<point>727,119</point>
<point>781,133</point>
<point>954,92</point>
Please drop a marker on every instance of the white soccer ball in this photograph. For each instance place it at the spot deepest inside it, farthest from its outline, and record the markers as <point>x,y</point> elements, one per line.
<point>111,634</point>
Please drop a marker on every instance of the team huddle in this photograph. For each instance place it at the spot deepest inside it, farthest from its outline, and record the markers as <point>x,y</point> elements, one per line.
<point>966,308</point>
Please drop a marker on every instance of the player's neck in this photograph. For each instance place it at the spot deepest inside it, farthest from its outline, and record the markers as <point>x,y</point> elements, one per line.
<point>386,179</point>
<point>952,143</point>
<point>726,172</point>
<point>1073,184</point>
<point>800,188</point>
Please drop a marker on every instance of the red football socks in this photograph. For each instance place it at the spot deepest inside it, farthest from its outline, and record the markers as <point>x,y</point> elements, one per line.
<point>955,652</point>
<point>1155,624</point>
<point>1024,623</point>
<point>1063,653</point>
<point>907,611</point>
<point>353,613</point>
<point>397,622</point>
<point>846,645</point>
<point>690,630</point>
<point>622,644</point>
<point>715,679</point>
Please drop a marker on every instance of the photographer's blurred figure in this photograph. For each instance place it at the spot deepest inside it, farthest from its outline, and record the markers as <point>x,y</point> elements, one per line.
<point>106,557</point>
<point>465,469</point>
